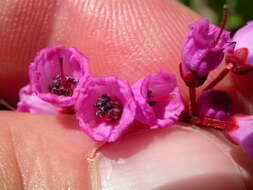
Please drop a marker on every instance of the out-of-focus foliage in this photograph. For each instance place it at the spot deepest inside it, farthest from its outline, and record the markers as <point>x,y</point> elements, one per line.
<point>240,11</point>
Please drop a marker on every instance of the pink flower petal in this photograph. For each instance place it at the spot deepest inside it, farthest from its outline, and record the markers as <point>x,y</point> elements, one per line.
<point>165,97</point>
<point>46,67</point>
<point>96,127</point>
<point>243,39</point>
<point>30,102</point>
<point>240,131</point>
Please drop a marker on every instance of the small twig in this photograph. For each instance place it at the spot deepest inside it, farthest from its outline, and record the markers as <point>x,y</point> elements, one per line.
<point>209,122</point>
<point>193,104</point>
<point>221,76</point>
<point>223,23</point>
<point>8,106</point>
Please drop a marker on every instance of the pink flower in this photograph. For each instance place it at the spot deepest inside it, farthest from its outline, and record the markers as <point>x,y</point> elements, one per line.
<point>203,51</point>
<point>105,108</point>
<point>57,74</point>
<point>240,131</point>
<point>30,102</point>
<point>159,100</point>
<point>244,39</point>
<point>214,104</point>
<point>243,55</point>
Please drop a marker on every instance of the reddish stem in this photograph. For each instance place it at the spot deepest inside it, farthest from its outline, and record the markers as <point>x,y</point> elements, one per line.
<point>193,104</point>
<point>8,106</point>
<point>223,23</point>
<point>209,122</point>
<point>221,76</point>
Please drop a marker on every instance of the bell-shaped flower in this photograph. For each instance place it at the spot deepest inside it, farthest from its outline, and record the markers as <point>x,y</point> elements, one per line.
<point>57,74</point>
<point>159,100</point>
<point>105,108</point>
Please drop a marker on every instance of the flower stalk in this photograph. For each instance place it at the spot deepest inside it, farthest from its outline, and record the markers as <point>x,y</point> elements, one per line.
<point>220,76</point>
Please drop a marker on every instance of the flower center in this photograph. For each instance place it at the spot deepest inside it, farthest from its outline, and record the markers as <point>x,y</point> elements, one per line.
<point>107,108</point>
<point>151,100</point>
<point>62,85</point>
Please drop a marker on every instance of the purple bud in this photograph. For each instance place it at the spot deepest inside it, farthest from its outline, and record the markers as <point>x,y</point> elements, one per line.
<point>202,52</point>
<point>214,104</point>
<point>240,131</point>
<point>57,74</point>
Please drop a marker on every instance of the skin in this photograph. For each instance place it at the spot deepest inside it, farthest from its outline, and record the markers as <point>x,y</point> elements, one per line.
<point>128,39</point>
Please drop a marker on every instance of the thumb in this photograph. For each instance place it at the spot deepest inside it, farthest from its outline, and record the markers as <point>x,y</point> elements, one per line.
<point>181,157</point>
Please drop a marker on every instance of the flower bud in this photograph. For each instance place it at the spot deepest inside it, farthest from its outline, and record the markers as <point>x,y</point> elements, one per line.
<point>214,104</point>
<point>203,51</point>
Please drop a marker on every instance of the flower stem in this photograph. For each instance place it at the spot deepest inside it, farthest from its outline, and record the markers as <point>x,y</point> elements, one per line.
<point>8,106</point>
<point>221,76</point>
<point>193,104</point>
<point>209,122</point>
<point>223,23</point>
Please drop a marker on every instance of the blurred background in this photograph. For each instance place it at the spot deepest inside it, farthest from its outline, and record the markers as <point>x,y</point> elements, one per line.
<point>240,11</point>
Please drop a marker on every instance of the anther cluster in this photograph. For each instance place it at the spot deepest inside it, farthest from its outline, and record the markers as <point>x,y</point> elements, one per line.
<point>107,108</point>
<point>149,95</point>
<point>62,88</point>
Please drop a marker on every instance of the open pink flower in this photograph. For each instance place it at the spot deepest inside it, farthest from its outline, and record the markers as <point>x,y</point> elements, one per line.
<point>203,51</point>
<point>214,104</point>
<point>242,57</point>
<point>57,74</point>
<point>240,131</point>
<point>30,102</point>
<point>105,108</point>
<point>159,100</point>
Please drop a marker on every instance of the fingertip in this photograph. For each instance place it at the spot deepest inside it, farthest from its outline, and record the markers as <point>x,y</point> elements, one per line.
<point>176,158</point>
<point>48,152</point>
<point>126,39</point>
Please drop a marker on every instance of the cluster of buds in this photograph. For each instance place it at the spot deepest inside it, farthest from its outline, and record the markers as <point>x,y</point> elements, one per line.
<point>203,51</point>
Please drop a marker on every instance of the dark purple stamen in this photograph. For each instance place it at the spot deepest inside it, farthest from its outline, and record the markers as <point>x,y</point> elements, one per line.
<point>152,101</point>
<point>62,85</point>
<point>108,108</point>
<point>149,95</point>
